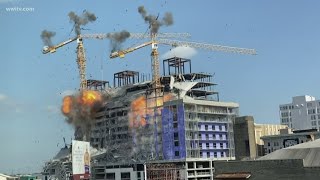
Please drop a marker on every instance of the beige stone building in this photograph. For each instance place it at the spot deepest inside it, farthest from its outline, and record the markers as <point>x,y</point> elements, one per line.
<point>265,130</point>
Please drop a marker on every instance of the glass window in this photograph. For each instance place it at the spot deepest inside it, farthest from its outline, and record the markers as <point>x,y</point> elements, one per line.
<point>176,153</point>
<point>111,175</point>
<point>176,143</point>
<point>175,125</point>
<point>125,175</point>
<point>176,136</point>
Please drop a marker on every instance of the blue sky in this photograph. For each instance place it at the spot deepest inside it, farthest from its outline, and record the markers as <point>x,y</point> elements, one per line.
<point>284,33</point>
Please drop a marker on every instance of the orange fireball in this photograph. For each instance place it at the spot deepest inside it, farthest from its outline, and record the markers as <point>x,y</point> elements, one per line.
<point>90,97</point>
<point>67,105</point>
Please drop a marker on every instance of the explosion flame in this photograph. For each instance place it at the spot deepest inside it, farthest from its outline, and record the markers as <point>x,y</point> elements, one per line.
<point>141,108</point>
<point>81,102</point>
<point>80,110</point>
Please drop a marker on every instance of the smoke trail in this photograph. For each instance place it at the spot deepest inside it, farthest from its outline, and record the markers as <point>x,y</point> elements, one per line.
<point>117,38</point>
<point>153,21</point>
<point>168,19</point>
<point>82,20</point>
<point>46,37</point>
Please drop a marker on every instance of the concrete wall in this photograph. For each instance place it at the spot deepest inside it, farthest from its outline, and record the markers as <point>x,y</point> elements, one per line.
<point>270,169</point>
<point>133,174</point>
<point>244,138</point>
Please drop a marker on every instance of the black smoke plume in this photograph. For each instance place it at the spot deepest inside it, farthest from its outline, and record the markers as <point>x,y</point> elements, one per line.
<point>46,37</point>
<point>117,38</point>
<point>153,21</point>
<point>82,20</point>
<point>81,114</point>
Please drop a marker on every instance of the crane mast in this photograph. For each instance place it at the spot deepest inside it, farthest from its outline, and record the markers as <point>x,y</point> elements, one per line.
<point>81,61</point>
<point>155,62</point>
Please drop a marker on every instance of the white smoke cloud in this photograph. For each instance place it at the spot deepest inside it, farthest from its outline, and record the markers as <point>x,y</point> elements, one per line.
<point>181,51</point>
<point>3,97</point>
<point>9,105</point>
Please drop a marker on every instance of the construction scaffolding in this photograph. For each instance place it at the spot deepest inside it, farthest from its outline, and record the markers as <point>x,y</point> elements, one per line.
<point>181,70</point>
<point>97,85</point>
<point>154,103</point>
<point>176,66</point>
<point>124,78</point>
<point>163,172</point>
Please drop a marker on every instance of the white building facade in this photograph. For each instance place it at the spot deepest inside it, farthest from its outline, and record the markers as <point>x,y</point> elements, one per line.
<point>302,113</point>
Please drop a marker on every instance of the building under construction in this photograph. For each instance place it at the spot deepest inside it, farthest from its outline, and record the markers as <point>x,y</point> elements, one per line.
<point>174,131</point>
<point>167,126</point>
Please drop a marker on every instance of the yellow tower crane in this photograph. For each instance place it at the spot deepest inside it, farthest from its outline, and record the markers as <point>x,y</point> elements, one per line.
<point>81,58</point>
<point>155,54</point>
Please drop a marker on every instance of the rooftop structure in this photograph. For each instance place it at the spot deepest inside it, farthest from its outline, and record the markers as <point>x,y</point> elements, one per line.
<point>7,177</point>
<point>180,70</point>
<point>308,151</point>
<point>125,78</point>
<point>296,162</point>
<point>97,85</point>
<point>283,140</point>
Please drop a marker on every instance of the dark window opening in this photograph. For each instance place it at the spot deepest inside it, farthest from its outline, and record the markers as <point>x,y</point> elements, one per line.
<point>176,143</point>
<point>176,153</point>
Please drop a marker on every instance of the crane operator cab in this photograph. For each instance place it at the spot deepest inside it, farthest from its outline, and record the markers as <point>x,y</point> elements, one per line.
<point>45,49</point>
<point>79,40</point>
<point>154,46</point>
